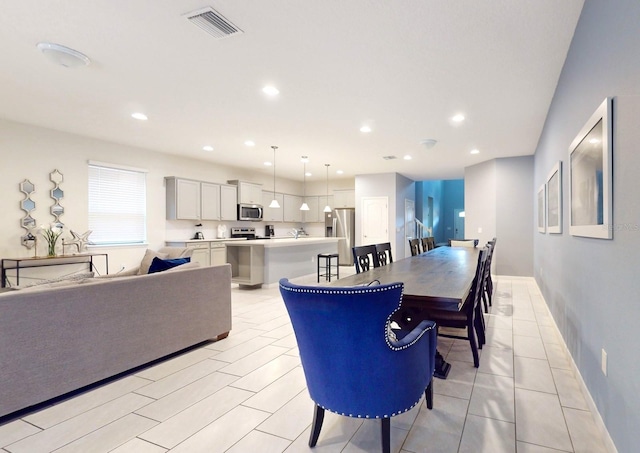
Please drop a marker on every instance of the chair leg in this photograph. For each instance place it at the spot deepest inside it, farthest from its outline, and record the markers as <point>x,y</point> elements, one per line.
<point>484,299</point>
<point>316,425</point>
<point>386,435</point>
<point>474,346</point>
<point>428,393</point>
<point>480,328</point>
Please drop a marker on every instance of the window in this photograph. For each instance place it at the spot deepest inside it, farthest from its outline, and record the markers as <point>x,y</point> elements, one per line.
<point>117,204</point>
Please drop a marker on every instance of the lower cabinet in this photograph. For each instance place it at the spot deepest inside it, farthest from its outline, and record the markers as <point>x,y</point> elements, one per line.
<point>206,253</point>
<point>218,254</point>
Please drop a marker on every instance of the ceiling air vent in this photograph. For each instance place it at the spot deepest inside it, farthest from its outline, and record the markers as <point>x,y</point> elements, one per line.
<point>389,157</point>
<point>213,23</point>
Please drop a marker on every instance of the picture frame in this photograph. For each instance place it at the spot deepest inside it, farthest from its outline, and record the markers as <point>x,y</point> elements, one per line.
<point>542,209</point>
<point>591,177</point>
<point>554,199</point>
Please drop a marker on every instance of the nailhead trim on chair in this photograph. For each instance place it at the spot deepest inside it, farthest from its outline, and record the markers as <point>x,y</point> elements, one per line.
<point>364,290</point>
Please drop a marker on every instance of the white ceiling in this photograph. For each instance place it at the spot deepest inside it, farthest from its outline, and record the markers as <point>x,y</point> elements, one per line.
<point>403,67</point>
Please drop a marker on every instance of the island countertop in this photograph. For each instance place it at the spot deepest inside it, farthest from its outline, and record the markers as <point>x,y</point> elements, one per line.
<point>285,242</point>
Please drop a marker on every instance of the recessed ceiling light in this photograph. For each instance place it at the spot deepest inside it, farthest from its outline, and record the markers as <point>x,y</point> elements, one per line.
<point>407,157</point>
<point>304,159</point>
<point>308,173</point>
<point>475,151</point>
<point>139,116</point>
<point>339,172</point>
<point>207,148</point>
<point>270,90</point>
<point>365,129</point>
<point>250,143</point>
<point>268,164</point>
<point>458,118</point>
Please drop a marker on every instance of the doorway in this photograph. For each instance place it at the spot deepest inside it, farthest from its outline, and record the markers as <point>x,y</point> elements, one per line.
<point>458,223</point>
<point>409,224</point>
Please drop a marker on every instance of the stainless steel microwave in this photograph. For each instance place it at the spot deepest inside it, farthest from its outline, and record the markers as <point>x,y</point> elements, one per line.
<point>250,212</point>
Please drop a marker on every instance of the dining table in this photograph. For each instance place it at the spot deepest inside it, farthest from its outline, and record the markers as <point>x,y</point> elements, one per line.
<point>440,279</point>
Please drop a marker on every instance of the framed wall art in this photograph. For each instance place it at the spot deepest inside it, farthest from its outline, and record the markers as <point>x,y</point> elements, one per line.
<point>541,209</point>
<point>590,177</point>
<point>554,199</point>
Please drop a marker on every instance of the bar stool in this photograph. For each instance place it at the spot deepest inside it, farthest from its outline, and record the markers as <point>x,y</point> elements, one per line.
<point>328,257</point>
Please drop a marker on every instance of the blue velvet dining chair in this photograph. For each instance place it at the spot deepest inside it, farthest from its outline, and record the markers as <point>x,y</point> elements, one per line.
<point>354,363</point>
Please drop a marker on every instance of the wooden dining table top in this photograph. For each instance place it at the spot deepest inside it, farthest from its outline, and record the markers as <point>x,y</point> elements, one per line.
<point>438,279</point>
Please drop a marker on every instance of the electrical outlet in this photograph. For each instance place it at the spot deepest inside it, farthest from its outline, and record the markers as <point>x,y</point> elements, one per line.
<point>604,362</point>
<point>479,229</point>
<point>313,259</point>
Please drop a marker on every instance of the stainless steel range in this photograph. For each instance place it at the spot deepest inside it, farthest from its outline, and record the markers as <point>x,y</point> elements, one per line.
<point>243,232</point>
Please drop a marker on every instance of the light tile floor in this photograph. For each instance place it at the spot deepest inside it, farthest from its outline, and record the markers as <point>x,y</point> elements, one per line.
<point>247,394</point>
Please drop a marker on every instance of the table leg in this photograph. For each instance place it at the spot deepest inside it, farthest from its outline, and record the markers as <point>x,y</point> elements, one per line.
<point>442,367</point>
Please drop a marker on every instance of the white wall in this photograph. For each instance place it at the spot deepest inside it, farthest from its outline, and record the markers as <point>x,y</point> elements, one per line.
<point>30,152</point>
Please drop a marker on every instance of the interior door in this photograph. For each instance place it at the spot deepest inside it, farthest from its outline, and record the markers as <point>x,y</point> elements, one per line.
<point>409,224</point>
<point>458,223</point>
<point>375,220</point>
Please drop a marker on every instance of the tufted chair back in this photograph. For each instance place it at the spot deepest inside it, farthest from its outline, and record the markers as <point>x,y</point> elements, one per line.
<point>354,364</point>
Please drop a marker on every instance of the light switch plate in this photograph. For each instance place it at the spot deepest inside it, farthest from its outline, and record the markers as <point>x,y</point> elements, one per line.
<point>604,362</point>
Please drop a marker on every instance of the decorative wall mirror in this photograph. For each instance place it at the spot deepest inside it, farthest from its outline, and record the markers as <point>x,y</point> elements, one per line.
<point>57,194</point>
<point>28,222</point>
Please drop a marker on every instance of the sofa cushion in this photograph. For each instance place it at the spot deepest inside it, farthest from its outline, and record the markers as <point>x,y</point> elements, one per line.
<point>149,255</point>
<point>158,265</point>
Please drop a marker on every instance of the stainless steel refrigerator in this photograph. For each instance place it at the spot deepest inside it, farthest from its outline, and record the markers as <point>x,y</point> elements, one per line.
<point>342,223</point>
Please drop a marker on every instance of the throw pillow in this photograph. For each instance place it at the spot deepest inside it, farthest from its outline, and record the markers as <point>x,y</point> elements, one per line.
<point>158,265</point>
<point>149,255</point>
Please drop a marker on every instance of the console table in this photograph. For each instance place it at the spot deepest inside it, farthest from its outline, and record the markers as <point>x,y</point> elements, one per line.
<point>19,264</point>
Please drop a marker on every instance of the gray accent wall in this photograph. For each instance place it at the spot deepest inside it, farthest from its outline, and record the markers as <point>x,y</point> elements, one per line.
<point>592,285</point>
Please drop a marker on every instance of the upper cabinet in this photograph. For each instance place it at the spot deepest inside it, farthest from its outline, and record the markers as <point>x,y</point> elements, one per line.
<point>183,199</point>
<point>272,214</point>
<point>312,215</point>
<point>228,202</point>
<point>291,208</point>
<point>248,192</point>
<point>197,200</point>
<point>344,199</point>
<point>209,201</point>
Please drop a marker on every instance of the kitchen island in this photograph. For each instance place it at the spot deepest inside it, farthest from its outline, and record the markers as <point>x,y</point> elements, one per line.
<point>265,261</point>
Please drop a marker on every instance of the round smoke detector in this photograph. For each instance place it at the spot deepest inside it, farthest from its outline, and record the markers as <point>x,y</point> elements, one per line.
<point>63,56</point>
<point>428,143</point>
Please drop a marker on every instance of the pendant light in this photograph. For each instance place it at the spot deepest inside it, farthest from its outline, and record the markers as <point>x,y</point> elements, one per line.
<point>304,206</point>
<point>327,208</point>
<point>274,203</point>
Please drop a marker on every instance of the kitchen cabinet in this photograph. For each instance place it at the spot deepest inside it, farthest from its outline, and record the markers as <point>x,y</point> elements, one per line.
<point>206,253</point>
<point>183,199</point>
<point>272,214</point>
<point>201,255</point>
<point>248,192</point>
<point>218,254</point>
<point>291,208</point>
<point>344,198</point>
<point>322,202</point>
<point>228,202</point>
<point>188,199</point>
<point>312,215</point>
<point>209,201</point>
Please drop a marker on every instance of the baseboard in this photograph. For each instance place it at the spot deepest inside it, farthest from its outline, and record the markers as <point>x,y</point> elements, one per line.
<point>604,433</point>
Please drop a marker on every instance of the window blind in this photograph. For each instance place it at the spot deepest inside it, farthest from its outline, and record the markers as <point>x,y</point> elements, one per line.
<point>117,205</point>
